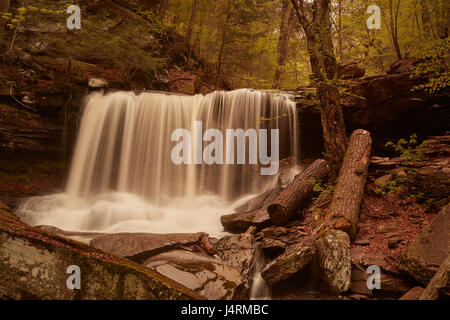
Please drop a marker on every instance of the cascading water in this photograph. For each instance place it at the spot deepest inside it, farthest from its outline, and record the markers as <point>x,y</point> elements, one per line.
<point>122,176</point>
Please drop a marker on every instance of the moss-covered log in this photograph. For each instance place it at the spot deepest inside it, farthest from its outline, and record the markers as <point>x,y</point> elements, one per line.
<point>296,194</point>
<point>344,209</point>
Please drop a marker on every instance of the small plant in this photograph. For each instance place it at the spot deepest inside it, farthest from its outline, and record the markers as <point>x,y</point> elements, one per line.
<point>389,187</point>
<point>405,149</point>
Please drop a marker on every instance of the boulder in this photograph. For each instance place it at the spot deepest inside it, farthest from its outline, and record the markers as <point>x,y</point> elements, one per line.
<point>34,263</point>
<point>240,222</point>
<point>242,253</point>
<point>273,247</point>
<point>439,286</point>
<point>423,257</point>
<point>292,261</point>
<point>207,276</point>
<point>140,246</point>
<point>334,261</point>
<point>258,202</point>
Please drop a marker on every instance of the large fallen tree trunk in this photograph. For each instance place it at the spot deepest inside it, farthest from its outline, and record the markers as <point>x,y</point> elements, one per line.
<point>344,209</point>
<point>296,194</point>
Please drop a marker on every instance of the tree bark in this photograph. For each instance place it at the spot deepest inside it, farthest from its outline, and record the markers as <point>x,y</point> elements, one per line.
<point>223,41</point>
<point>394,27</point>
<point>163,8</point>
<point>296,194</point>
<point>4,6</point>
<point>341,48</point>
<point>343,213</point>
<point>190,27</point>
<point>283,41</point>
<point>317,26</point>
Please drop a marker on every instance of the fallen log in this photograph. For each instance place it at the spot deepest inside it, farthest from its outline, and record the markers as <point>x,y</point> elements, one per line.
<point>344,209</point>
<point>297,193</point>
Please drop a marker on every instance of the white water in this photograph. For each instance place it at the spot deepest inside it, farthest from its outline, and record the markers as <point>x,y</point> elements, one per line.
<point>122,178</point>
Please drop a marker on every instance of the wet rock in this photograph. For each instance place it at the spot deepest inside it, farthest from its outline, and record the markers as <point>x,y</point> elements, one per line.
<point>423,257</point>
<point>240,222</point>
<point>292,261</point>
<point>207,276</point>
<point>242,253</point>
<point>273,247</point>
<point>34,266</point>
<point>257,202</point>
<point>85,237</point>
<point>334,261</point>
<point>140,246</point>
<point>439,286</point>
<point>412,294</point>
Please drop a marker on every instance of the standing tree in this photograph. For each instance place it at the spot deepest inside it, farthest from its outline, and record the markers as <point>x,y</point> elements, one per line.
<point>283,41</point>
<point>164,5</point>
<point>394,10</point>
<point>4,6</point>
<point>190,27</point>
<point>316,22</point>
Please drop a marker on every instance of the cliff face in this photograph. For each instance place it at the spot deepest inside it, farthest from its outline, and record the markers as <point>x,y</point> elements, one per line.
<point>49,70</point>
<point>385,105</point>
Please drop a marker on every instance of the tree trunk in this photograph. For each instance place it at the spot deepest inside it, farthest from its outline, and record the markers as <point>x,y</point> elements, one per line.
<point>223,40</point>
<point>190,27</point>
<point>343,213</point>
<point>394,27</point>
<point>163,8</point>
<point>317,27</point>
<point>341,48</point>
<point>283,41</point>
<point>4,6</point>
<point>296,194</point>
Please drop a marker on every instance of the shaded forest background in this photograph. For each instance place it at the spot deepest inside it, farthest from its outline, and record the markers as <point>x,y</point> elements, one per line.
<point>247,43</point>
<point>261,44</point>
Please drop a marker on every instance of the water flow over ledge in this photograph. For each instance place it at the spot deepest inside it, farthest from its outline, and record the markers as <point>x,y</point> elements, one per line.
<point>122,177</point>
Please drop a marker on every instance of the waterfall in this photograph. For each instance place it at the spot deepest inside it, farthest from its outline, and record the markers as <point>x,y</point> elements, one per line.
<point>122,177</point>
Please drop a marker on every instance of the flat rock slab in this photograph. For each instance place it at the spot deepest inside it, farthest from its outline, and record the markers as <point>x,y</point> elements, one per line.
<point>423,257</point>
<point>240,222</point>
<point>143,244</point>
<point>33,265</point>
<point>207,276</point>
<point>292,261</point>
